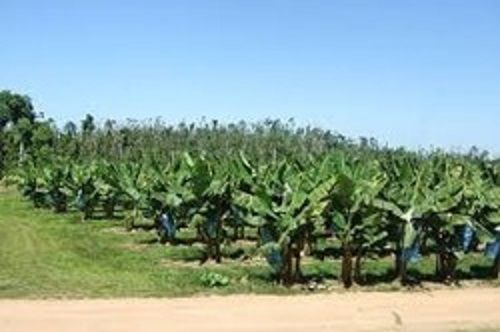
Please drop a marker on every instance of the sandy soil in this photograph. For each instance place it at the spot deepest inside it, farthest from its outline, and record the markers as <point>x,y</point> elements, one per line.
<point>442,310</point>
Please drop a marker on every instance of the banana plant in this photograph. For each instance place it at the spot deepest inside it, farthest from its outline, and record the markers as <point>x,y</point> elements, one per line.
<point>82,182</point>
<point>213,183</point>
<point>355,221</point>
<point>132,182</point>
<point>286,207</point>
<point>466,203</point>
<point>492,216</point>
<point>492,251</point>
<point>237,221</point>
<point>440,220</point>
<point>170,197</point>
<point>31,185</point>
<point>424,200</point>
<point>403,200</point>
<point>55,177</point>
<point>108,188</point>
<point>482,204</point>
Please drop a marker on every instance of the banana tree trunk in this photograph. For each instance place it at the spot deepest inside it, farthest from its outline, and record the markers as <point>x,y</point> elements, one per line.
<point>218,239</point>
<point>445,266</point>
<point>60,205</point>
<point>298,271</point>
<point>298,252</point>
<point>130,221</point>
<point>346,272</point>
<point>218,254</point>
<point>496,267</point>
<point>445,262</point>
<point>310,243</point>
<point>400,266</point>
<point>109,209</point>
<point>213,240</point>
<point>401,263</point>
<point>357,267</point>
<point>440,266</point>
<point>238,232</point>
<point>287,268</point>
<point>88,213</point>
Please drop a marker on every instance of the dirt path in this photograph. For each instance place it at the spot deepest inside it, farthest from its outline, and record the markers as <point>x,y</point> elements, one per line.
<point>444,310</point>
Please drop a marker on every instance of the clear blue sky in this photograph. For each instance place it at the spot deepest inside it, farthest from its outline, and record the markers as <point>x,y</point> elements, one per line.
<point>408,72</point>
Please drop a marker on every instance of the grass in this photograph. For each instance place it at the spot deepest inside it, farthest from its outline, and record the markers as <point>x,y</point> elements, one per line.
<point>45,255</point>
<point>48,255</point>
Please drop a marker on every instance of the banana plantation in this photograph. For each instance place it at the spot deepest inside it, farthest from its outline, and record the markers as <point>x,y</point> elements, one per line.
<point>280,187</point>
<point>372,204</point>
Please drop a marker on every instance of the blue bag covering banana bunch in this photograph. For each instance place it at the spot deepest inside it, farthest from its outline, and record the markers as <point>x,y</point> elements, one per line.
<point>166,227</point>
<point>467,237</point>
<point>492,249</point>
<point>273,254</point>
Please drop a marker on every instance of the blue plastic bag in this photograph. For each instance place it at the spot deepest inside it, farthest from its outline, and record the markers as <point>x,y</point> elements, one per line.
<point>412,254</point>
<point>492,249</point>
<point>274,256</point>
<point>275,259</point>
<point>167,225</point>
<point>80,201</point>
<point>210,227</point>
<point>467,237</point>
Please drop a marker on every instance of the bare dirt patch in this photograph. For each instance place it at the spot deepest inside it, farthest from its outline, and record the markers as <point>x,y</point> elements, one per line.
<point>440,310</point>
